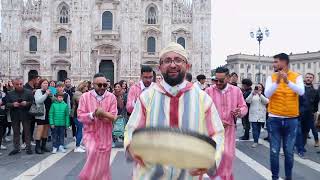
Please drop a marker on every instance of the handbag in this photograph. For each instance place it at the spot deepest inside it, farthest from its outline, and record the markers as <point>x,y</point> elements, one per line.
<point>36,110</point>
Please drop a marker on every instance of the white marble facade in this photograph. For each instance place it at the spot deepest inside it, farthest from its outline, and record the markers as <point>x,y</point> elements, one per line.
<point>77,38</point>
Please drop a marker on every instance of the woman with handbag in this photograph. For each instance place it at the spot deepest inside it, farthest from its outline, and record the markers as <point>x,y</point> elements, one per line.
<point>43,99</point>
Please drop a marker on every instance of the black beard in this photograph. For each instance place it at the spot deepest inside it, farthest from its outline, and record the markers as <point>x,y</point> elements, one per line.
<point>174,81</point>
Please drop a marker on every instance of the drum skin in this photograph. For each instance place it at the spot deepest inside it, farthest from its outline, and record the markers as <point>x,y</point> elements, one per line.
<point>174,147</point>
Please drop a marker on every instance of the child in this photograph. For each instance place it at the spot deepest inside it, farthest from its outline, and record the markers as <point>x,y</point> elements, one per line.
<point>59,120</point>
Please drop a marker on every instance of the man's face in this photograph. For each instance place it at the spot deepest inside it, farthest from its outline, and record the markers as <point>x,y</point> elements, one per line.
<point>67,83</point>
<point>202,81</point>
<point>60,89</point>
<point>221,80</point>
<point>147,78</point>
<point>308,79</point>
<point>234,79</point>
<point>18,85</point>
<point>131,82</point>
<point>100,85</point>
<point>173,68</point>
<point>36,81</point>
<point>279,65</point>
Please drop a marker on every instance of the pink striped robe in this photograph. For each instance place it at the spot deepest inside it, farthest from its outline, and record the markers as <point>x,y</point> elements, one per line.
<point>225,103</point>
<point>97,135</point>
<point>133,95</point>
<point>190,109</point>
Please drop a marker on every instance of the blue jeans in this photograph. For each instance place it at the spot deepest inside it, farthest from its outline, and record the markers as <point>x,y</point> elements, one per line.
<point>79,127</point>
<point>256,128</point>
<point>299,139</point>
<point>58,136</point>
<point>285,130</point>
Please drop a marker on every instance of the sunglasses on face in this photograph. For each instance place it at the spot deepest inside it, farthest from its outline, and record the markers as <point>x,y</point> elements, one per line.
<point>102,84</point>
<point>219,80</point>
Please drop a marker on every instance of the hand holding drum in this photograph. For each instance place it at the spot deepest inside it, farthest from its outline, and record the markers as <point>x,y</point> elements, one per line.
<point>102,115</point>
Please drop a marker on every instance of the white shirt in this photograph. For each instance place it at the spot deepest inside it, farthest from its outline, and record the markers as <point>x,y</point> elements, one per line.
<point>169,88</point>
<point>271,87</point>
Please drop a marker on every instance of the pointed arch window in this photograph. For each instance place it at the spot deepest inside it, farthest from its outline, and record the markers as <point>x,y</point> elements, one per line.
<point>64,14</point>
<point>152,15</point>
<point>107,19</point>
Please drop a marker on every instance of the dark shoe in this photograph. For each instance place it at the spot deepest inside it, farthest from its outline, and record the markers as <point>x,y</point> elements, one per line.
<point>301,155</point>
<point>14,152</point>
<point>43,145</point>
<point>38,148</point>
<point>266,138</point>
<point>29,151</point>
<point>244,138</point>
<point>49,139</point>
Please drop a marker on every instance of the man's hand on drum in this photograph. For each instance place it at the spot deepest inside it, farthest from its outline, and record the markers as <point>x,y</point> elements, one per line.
<point>136,158</point>
<point>105,116</point>
<point>198,172</point>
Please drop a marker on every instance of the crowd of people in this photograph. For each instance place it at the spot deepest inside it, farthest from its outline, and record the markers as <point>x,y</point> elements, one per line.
<point>286,106</point>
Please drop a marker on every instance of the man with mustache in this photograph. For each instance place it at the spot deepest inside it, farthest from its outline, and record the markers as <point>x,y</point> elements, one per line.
<point>97,110</point>
<point>178,104</point>
<point>283,88</point>
<point>230,105</point>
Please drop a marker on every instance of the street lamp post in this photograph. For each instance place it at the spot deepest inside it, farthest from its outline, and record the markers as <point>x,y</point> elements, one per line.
<point>259,36</point>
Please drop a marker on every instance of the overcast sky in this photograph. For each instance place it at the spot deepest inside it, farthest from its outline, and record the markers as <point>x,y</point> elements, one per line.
<point>294,27</point>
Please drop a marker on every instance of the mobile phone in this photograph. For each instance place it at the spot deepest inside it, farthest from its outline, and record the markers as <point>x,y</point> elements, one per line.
<point>256,88</point>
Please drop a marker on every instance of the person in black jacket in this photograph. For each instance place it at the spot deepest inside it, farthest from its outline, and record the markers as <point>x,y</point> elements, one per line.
<point>246,89</point>
<point>308,106</point>
<point>3,116</point>
<point>19,102</point>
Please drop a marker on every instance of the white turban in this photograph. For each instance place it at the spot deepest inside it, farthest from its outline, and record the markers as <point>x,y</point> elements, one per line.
<point>174,47</point>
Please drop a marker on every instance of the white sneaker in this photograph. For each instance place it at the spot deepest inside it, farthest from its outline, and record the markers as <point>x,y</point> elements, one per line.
<point>82,147</point>
<point>61,148</point>
<point>54,151</point>
<point>23,146</point>
<point>254,145</point>
<point>3,147</point>
<point>7,139</point>
<point>32,143</point>
<point>79,149</point>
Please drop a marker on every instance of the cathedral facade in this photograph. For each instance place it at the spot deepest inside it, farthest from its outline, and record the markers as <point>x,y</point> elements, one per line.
<point>78,38</point>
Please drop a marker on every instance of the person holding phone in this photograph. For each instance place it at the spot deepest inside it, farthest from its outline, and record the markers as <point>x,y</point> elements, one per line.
<point>19,102</point>
<point>257,111</point>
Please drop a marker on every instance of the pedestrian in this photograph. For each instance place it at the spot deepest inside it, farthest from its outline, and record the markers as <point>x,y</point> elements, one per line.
<point>173,100</point>
<point>159,78</point>
<point>201,81</point>
<point>43,99</point>
<point>82,88</point>
<point>3,119</point>
<point>246,89</point>
<point>283,88</point>
<point>146,77</point>
<point>19,102</point>
<point>234,79</point>
<point>32,85</point>
<point>70,90</point>
<point>230,105</point>
<point>189,77</point>
<point>97,111</point>
<point>257,111</point>
<point>52,87</point>
<point>308,106</point>
<point>59,121</point>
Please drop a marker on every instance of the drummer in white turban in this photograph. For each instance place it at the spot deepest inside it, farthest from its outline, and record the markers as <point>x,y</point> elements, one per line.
<point>174,103</point>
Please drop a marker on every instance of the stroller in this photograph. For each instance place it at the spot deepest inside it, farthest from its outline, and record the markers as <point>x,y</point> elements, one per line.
<point>118,129</point>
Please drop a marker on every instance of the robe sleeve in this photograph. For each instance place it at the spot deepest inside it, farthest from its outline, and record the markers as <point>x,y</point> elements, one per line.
<point>83,112</point>
<point>215,131</point>
<point>131,99</point>
<point>136,120</point>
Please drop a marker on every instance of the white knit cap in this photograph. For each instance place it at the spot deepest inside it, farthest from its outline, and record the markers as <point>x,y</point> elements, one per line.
<point>174,47</point>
